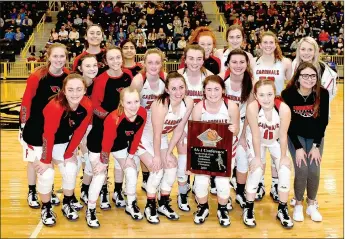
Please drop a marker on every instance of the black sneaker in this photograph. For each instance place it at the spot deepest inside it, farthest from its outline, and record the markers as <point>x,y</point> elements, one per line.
<point>284,218</point>
<point>249,216</point>
<point>260,193</point>
<point>33,200</point>
<point>104,203</point>
<point>134,211</point>
<point>48,216</point>
<point>274,193</point>
<point>91,218</point>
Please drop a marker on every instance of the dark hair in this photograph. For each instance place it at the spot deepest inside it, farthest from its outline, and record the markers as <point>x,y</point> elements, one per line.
<point>213,78</point>
<point>172,75</point>
<point>88,55</point>
<point>247,84</point>
<point>92,25</point>
<point>294,82</point>
<point>126,41</point>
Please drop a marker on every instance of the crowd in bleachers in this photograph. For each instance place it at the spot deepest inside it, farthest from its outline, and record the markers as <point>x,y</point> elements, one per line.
<point>290,20</point>
<point>166,25</point>
<point>17,21</point>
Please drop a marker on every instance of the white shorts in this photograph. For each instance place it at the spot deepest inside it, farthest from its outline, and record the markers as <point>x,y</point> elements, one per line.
<point>146,144</point>
<point>32,153</point>
<point>121,154</point>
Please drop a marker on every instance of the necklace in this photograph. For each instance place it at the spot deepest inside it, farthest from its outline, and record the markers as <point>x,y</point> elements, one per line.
<point>304,97</point>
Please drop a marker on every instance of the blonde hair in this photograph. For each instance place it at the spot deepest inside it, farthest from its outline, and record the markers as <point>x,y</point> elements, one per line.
<point>315,60</point>
<point>277,52</point>
<point>120,108</point>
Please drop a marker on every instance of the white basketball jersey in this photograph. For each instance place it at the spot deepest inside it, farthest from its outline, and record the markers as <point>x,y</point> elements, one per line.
<point>274,72</point>
<point>222,116</point>
<point>195,91</point>
<point>171,120</point>
<point>269,130</point>
<point>147,95</point>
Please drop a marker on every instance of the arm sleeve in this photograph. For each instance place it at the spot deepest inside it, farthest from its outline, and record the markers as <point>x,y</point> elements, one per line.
<point>97,97</point>
<point>78,134</point>
<point>323,117</point>
<point>52,115</point>
<point>30,92</point>
<point>137,137</point>
<point>109,134</point>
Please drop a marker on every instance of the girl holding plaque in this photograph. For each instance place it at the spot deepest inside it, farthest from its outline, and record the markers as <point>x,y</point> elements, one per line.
<point>214,108</point>
<point>269,120</point>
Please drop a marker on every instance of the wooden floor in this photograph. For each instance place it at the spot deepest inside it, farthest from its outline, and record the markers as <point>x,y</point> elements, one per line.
<point>18,220</point>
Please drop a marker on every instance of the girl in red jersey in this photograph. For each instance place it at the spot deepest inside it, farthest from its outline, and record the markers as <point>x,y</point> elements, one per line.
<point>194,73</point>
<point>150,83</point>
<point>41,85</point>
<point>207,40</point>
<point>123,129</point>
<point>93,37</point>
<point>89,67</point>
<point>128,49</point>
<point>218,109</point>
<point>105,98</point>
<point>170,113</point>
<point>54,138</point>
<point>268,123</point>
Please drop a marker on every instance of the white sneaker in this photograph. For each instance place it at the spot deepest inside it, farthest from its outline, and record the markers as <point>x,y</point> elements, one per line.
<point>284,218</point>
<point>166,210</point>
<point>118,199</point>
<point>69,212</point>
<point>84,197</point>
<point>274,193</point>
<point>260,193</point>
<point>249,217</point>
<point>213,191</point>
<point>104,203</point>
<point>314,213</point>
<point>91,218</point>
<point>293,202</point>
<point>33,200</point>
<point>201,215</point>
<point>240,199</point>
<point>151,214</point>
<point>298,213</point>
<point>229,204</point>
<point>134,211</point>
<point>182,202</point>
<point>76,204</point>
<point>223,217</point>
<point>48,217</point>
<point>233,183</point>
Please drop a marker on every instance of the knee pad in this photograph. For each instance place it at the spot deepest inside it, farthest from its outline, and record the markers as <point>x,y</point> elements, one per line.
<point>223,187</point>
<point>153,181</point>
<point>168,179</point>
<point>45,181</point>
<point>137,162</point>
<point>241,160</point>
<point>131,180</point>
<point>201,184</point>
<point>96,186</point>
<point>117,165</point>
<point>88,166</point>
<point>253,180</point>
<point>70,176</point>
<point>284,174</point>
<point>181,168</point>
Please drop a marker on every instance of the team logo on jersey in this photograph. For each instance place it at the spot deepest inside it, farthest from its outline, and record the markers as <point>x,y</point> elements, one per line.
<point>304,110</point>
<point>71,122</point>
<point>129,133</point>
<point>55,89</point>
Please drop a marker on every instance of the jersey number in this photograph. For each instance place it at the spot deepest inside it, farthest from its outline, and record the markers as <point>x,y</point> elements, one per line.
<point>267,78</point>
<point>149,103</point>
<point>268,134</point>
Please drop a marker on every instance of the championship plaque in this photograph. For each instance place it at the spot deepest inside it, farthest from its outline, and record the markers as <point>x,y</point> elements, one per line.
<point>209,148</point>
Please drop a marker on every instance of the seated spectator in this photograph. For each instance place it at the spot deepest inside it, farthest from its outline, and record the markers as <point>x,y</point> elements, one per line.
<point>110,40</point>
<point>108,9</point>
<point>160,43</point>
<point>77,48</point>
<point>161,34</point>
<point>323,37</point>
<point>141,33</point>
<point>181,44</point>
<point>142,20</point>
<point>19,36</point>
<point>330,63</point>
<point>121,35</point>
<point>18,20</point>
<point>123,22</point>
<point>170,44</point>
<point>63,34</point>
<point>187,30</point>
<point>87,21</point>
<point>294,45</point>
<point>13,14</point>
<point>90,11</point>
<point>340,46</point>
<point>73,35</point>
<point>9,35</point>
<point>300,32</point>
<point>27,24</point>
<point>73,56</point>
<point>142,41</point>
<point>331,47</point>
<point>152,37</point>
<point>131,28</point>
<point>51,40</point>
<point>78,21</point>
<point>54,34</point>
<point>140,48</point>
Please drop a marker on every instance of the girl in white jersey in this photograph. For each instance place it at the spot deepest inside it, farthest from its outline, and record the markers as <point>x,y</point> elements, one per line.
<point>194,73</point>
<point>170,113</point>
<point>214,108</point>
<point>238,85</point>
<point>150,83</point>
<point>273,66</point>
<point>269,120</point>
<point>235,38</point>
